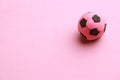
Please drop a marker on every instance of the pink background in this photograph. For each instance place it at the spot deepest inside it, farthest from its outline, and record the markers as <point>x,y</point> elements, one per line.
<point>39,41</point>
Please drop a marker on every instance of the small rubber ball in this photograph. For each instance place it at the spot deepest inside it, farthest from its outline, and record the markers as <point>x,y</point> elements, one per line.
<point>92,26</point>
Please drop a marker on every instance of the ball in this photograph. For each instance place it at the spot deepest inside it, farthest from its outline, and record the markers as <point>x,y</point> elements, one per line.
<point>92,26</point>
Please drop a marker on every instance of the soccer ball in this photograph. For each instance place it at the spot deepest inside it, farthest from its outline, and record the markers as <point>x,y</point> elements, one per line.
<point>91,26</point>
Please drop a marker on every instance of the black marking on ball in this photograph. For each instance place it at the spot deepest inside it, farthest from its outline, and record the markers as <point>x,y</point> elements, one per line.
<point>83,23</point>
<point>83,35</point>
<point>96,18</point>
<point>105,27</point>
<point>94,32</point>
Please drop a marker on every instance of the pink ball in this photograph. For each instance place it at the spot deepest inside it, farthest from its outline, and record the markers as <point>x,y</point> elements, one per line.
<point>92,26</point>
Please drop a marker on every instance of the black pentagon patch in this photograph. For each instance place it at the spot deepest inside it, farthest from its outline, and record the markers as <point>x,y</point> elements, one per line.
<point>96,18</point>
<point>105,27</point>
<point>83,35</point>
<point>94,32</point>
<point>83,23</point>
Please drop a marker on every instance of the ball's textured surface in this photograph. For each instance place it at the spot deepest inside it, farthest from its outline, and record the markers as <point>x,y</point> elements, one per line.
<point>92,26</point>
